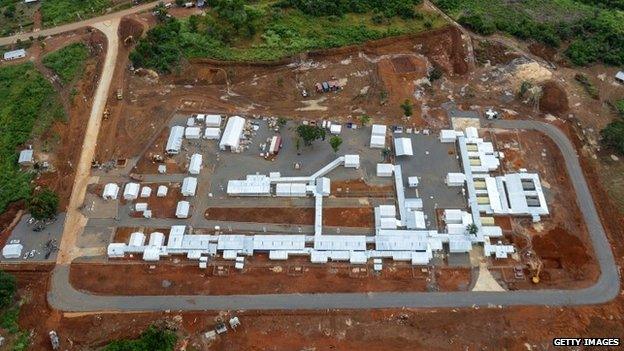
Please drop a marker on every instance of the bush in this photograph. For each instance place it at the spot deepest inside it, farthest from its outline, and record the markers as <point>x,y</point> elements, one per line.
<point>28,105</point>
<point>68,62</point>
<point>44,204</point>
<point>613,136</point>
<point>8,286</point>
<point>478,24</point>
<point>152,339</point>
<point>619,106</point>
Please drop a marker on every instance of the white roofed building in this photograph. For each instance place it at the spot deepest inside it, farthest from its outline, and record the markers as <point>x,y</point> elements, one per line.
<point>195,165</point>
<point>232,134</point>
<point>111,191</point>
<point>174,143</point>
<point>189,186</point>
<point>131,191</point>
<point>403,147</point>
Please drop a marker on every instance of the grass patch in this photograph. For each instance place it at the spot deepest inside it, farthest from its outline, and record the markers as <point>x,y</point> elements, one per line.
<point>15,15</point>
<point>68,62</point>
<point>62,11</point>
<point>152,339</point>
<point>28,106</point>
<point>593,31</point>
<point>265,31</point>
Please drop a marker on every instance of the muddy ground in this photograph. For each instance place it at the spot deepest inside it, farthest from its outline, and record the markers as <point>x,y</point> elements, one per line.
<point>260,276</point>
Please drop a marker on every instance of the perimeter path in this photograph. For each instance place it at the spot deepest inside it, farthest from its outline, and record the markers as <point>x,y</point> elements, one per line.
<point>64,297</point>
<point>77,25</point>
<point>75,220</point>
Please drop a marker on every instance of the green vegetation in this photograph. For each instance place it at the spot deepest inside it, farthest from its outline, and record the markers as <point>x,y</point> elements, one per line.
<point>68,62</point>
<point>589,87</point>
<point>408,108</point>
<point>365,119</point>
<point>270,30</point>
<point>335,143</point>
<point>593,28</point>
<point>15,15</point>
<point>9,313</point>
<point>63,11</point>
<point>28,106</point>
<point>152,339</point>
<point>619,106</point>
<point>309,134</point>
<point>8,286</point>
<point>43,204</point>
<point>613,136</point>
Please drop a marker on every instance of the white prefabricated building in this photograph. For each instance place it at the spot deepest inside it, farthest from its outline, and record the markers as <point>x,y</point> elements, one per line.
<point>378,136</point>
<point>131,191</point>
<point>162,191</point>
<point>195,164</point>
<point>212,133</point>
<point>403,147</point>
<point>182,210</point>
<point>111,191</point>
<point>174,143</point>
<point>189,186</point>
<point>232,133</point>
<point>192,132</point>
<point>213,120</point>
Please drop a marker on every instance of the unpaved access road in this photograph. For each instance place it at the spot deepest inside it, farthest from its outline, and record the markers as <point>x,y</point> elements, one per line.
<point>77,25</point>
<point>75,221</point>
<point>64,297</point>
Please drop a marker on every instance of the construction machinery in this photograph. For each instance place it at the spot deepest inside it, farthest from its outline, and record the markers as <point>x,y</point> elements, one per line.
<point>119,94</point>
<point>535,268</point>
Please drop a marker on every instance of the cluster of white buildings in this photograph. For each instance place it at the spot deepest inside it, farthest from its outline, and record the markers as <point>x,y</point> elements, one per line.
<point>401,232</point>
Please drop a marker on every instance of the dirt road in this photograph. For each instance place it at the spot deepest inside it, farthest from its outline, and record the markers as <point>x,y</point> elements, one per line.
<point>75,221</point>
<point>77,25</point>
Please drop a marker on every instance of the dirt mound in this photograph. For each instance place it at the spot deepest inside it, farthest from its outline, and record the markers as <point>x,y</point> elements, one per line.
<point>560,249</point>
<point>554,99</point>
<point>546,52</point>
<point>130,29</point>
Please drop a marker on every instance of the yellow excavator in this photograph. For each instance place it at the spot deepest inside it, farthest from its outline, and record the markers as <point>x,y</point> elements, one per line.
<point>535,268</point>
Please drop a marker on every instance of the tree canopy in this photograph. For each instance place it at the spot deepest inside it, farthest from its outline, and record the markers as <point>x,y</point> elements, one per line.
<point>8,286</point>
<point>43,204</point>
<point>310,133</point>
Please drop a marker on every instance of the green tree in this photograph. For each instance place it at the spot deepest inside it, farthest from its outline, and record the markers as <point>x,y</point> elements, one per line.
<point>619,105</point>
<point>472,229</point>
<point>152,339</point>
<point>335,142</point>
<point>44,204</point>
<point>179,3</point>
<point>8,286</point>
<point>408,108</point>
<point>435,74</point>
<point>365,119</point>
<point>613,136</point>
<point>281,122</point>
<point>310,133</point>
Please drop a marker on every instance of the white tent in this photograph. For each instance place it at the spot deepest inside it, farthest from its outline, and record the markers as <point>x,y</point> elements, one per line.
<point>26,157</point>
<point>140,206</point>
<point>174,143</point>
<point>352,161</point>
<point>378,136</point>
<point>232,133</point>
<point>162,191</point>
<point>192,132</point>
<point>378,141</point>
<point>385,169</point>
<point>189,186</point>
<point>335,129</point>
<point>131,191</point>
<point>403,147</point>
<point>146,191</point>
<point>111,190</point>
<point>162,169</point>
<point>157,239</point>
<point>412,181</point>
<point>190,122</point>
<point>455,179</point>
<point>182,210</point>
<point>448,136</point>
<point>195,164</point>
<point>213,120</point>
<point>212,133</point>
<point>14,55</point>
<point>116,250</point>
<point>12,250</point>
<point>136,239</point>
